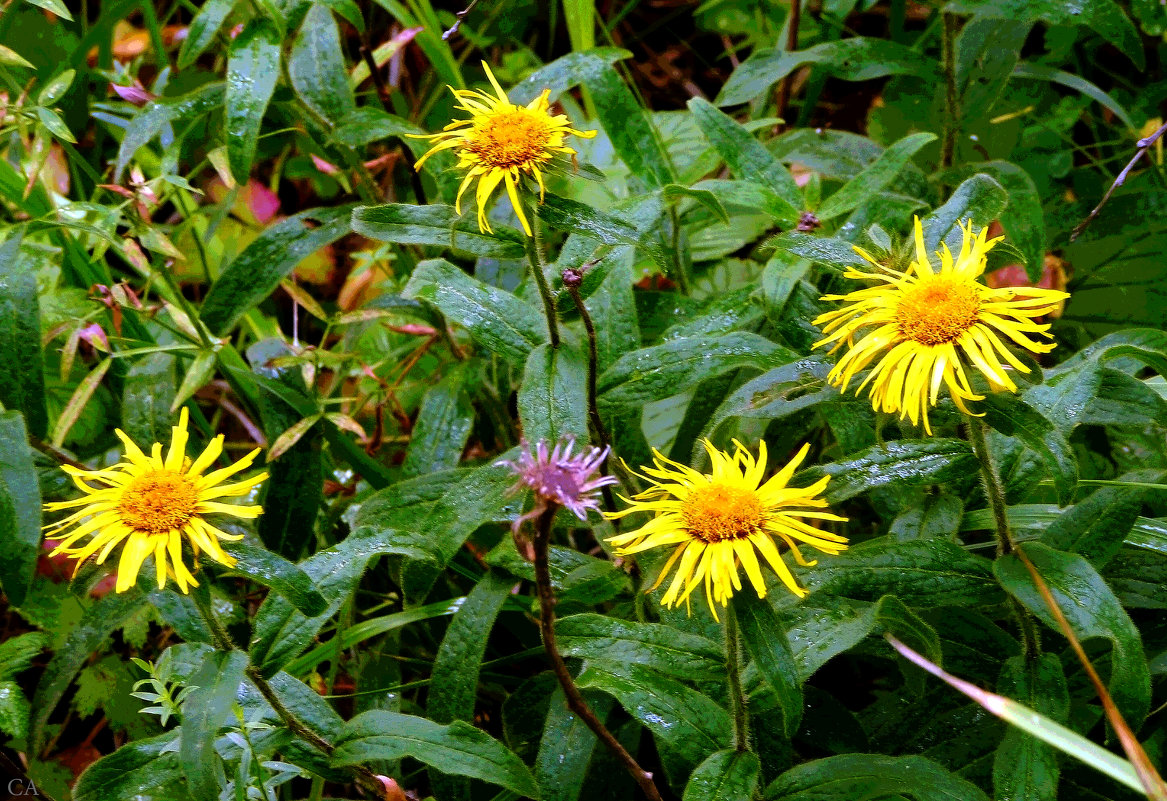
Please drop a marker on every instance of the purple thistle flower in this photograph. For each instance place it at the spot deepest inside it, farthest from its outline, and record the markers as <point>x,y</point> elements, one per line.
<point>560,477</point>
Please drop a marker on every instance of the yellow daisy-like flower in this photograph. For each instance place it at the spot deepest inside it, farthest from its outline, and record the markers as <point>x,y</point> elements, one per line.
<point>926,327</point>
<point>500,142</point>
<point>723,520</point>
<point>150,504</point>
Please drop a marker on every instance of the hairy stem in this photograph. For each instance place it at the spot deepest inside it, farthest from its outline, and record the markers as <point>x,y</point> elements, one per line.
<point>539,267</point>
<point>733,678</point>
<point>782,102</point>
<point>951,104</point>
<point>222,640</point>
<point>995,492</point>
<point>575,700</point>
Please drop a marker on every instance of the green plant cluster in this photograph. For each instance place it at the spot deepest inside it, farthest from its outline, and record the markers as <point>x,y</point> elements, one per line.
<point>211,205</point>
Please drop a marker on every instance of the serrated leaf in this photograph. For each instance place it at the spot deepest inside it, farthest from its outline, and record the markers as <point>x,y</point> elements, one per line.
<point>979,199</point>
<point>901,463</point>
<point>139,766</point>
<point>271,570</point>
<point>1013,417</point>
<point>599,639</point>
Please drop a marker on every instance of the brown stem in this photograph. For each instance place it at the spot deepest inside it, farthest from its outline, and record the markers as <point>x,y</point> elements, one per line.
<point>575,700</point>
<point>601,430</point>
<point>951,111</point>
<point>784,88</point>
<point>1144,145</point>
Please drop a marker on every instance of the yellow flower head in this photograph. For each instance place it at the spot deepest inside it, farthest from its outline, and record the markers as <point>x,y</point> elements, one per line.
<point>724,520</point>
<point>924,327</point>
<point>500,142</point>
<point>149,505</point>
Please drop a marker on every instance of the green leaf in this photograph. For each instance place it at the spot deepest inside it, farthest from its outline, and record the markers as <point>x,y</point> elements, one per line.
<point>937,516</point>
<point>921,573</point>
<point>566,72</point>
<point>497,320</point>
<point>258,269</point>
<point>18,653</point>
<point>728,775</point>
<point>436,225</point>
<point>202,30</point>
<point>293,493</point>
<point>900,463</point>
<point>20,509</point>
<point>745,156</point>
<point>280,630</point>
<point>764,637</point>
<point>777,393</point>
<point>833,252</point>
<point>253,66</point>
<point>874,178</point>
<point>52,121</point>
<point>634,137</point>
<point>1044,72</point>
<point>14,710</point>
<point>137,767</point>
<point>1096,526</point>
<point>458,749</point>
<point>1013,417</point>
<point>566,747</point>
<point>271,570</point>
<point>1023,219</point>
<point>613,310</point>
<point>203,713</point>
<point>664,370</point>
<point>598,639</point>
<point>454,680</point>
<point>848,777</point>
<point>1092,611</point>
<point>980,199</point>
<point>369,124</point>
<point>688,724</point>
<point>428,518</point>
<point>703,197</point>
<point>11,58</point>
<point>22,381</point>
<point>553,395</point>
<point>1024,768</point>
<point>97,624</point>
<point>316,66</point>
<point>148,397</point>
<point>855,59</point>
<point>1103,17</point>
<point>564,214</point>
<point>986,52</point>
<point>153,117</point>
<point>443,426</point>
<point>751,196</point>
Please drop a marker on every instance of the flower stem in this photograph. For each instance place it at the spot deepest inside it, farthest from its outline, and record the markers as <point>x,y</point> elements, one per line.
<point>733,678</point>
<point>995,491</point>
<point>951,103</point>
<point>575,699</point>
<point>368,780</point>
<point>539,267</point>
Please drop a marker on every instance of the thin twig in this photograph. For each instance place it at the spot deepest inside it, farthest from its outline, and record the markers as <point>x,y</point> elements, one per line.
<point>1144,145</point>
<point>575,699</point>
<point>951,102</point>
<point>461,15</point>
<point>784,88</point>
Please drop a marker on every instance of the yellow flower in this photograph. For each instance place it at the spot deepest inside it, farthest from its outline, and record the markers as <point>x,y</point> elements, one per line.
<point>500,142</point>
<point>926,327</point>
<point>724,520</point>
<point>150,504</point>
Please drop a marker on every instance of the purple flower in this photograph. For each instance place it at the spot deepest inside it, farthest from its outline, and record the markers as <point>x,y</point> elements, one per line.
<point>560,477</point>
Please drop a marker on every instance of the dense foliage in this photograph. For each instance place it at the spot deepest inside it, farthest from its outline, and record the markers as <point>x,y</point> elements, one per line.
<point>365,270</point>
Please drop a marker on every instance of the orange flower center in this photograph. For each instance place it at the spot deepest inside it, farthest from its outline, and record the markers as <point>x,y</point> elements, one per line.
<point>719,512</point>
<point>938,309</point>
<point>158,502</point>
<point>511,138</point>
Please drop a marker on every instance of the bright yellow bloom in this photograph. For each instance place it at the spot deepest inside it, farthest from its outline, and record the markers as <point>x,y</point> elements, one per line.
<point>151,504</point>
<point>724,520</point>
<point>500,142</point>
<point>926,327</point>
